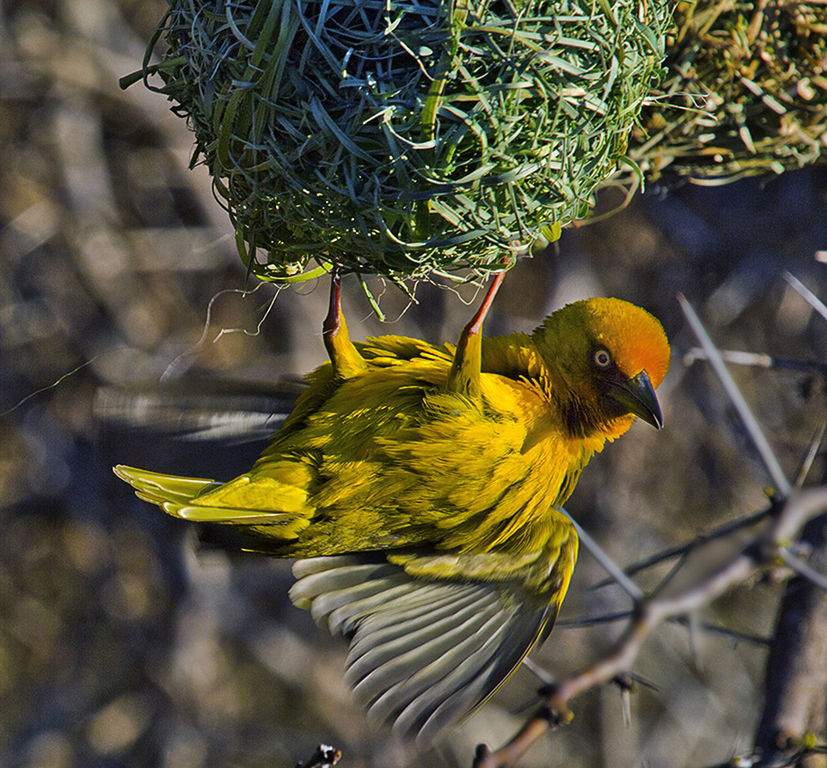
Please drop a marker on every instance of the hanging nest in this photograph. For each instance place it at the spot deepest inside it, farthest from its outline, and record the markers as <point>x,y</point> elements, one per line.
<point>409,137</point>
<point>745,92</point>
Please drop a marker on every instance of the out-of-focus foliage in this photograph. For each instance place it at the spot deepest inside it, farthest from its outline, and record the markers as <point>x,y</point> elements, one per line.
<point>118,645</point>
<point>745,92</point>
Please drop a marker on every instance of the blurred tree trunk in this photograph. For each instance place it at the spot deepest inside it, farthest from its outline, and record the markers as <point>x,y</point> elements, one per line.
<point>796,672</point>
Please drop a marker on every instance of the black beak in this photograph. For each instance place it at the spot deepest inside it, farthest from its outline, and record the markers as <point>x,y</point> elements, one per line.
<point>637,396</point>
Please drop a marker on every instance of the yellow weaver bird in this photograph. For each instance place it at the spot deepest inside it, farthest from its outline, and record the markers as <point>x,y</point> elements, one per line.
<point>419,486</point>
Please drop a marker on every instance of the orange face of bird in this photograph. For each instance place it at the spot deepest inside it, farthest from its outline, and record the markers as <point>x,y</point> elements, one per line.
<point>606,357</point>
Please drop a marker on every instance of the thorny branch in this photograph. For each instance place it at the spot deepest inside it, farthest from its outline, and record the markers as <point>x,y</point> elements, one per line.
<point>762,552</point>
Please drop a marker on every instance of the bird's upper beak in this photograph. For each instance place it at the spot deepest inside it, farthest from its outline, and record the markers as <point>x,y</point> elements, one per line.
<point>637,396</point>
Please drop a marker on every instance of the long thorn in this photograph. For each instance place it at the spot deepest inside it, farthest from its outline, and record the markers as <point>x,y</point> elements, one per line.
<point>543,675</point>
<point>732,634</point>
<point>592,621</point>
<point>779,479</point>
<point>805,293</point>
<point>757,360</point>
<point>812,452</point>
<point>802,568</point>
<point>609,565</point>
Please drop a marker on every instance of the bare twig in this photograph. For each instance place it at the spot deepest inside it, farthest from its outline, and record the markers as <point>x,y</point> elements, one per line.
<point>717,533</point>
<point>325,756</point>
<point>762,551</point>
<point>541,722</point>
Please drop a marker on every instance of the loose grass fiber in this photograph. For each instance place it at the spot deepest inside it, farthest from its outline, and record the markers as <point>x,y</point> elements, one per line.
<point>404,137</point>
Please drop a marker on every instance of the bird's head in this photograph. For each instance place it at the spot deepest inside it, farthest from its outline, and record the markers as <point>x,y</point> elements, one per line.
<point>605,359</point>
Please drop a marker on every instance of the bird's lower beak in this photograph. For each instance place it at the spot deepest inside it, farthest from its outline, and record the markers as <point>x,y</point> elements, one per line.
<point>637,396</point>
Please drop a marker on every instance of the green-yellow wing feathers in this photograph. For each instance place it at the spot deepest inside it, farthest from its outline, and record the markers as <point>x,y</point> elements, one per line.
<point>422,652</point>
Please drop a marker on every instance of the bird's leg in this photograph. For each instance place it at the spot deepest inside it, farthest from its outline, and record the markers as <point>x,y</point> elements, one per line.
<point>347,361</point>
<point>464,376</point>
<point>334,318</point>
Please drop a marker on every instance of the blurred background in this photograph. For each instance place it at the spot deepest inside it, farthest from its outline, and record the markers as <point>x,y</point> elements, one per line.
<point>120,645</point>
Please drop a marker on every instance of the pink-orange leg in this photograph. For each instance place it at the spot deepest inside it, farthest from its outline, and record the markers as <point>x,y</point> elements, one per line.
<point>333,321</point>
<point>475,324</point>
<point>347,362</point>
<point>465,371</point>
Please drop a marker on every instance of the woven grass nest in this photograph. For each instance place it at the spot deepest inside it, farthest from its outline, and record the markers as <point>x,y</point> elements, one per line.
<point>406,137</point>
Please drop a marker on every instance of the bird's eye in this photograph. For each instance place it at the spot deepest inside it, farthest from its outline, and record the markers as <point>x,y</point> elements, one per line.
<point>602,359</point>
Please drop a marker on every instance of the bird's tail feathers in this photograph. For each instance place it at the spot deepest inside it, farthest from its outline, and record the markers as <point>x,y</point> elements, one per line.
<point>158,487</point>
<point>179,496</point>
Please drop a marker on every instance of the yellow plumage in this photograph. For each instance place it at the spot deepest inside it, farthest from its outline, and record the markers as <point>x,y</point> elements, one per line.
<point>419,487</point>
